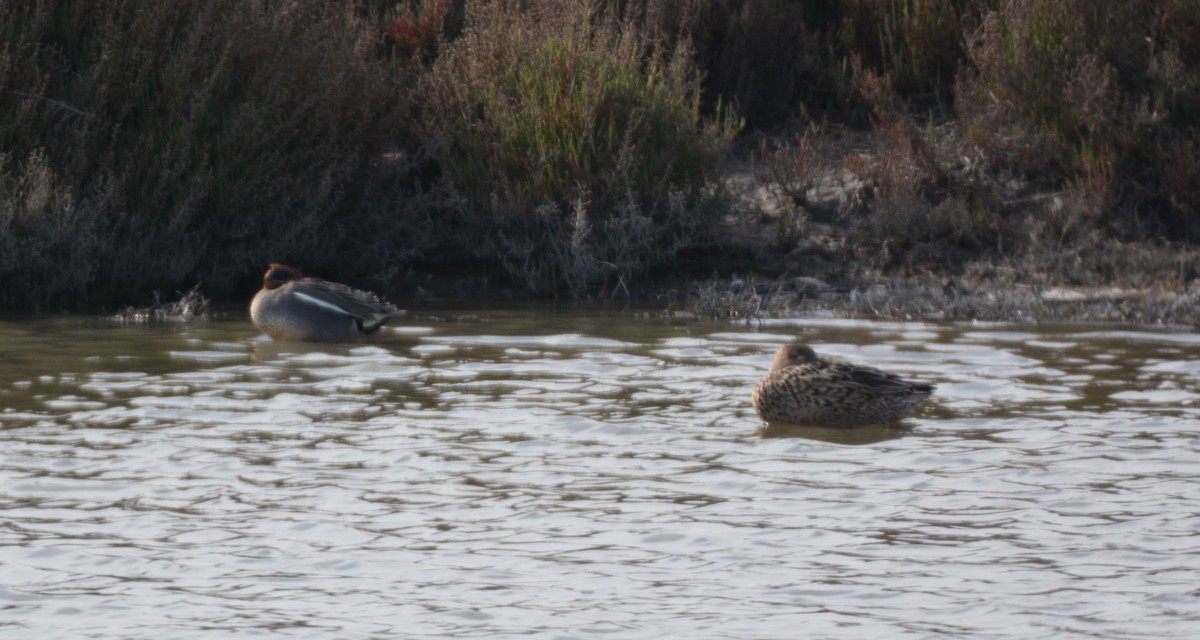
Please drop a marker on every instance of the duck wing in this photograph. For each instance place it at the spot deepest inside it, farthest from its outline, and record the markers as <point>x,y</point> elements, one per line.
<point>876,381</point>
<point>368,309</point>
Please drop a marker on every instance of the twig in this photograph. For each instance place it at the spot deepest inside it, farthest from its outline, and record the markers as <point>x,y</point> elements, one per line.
<point>58,103</point>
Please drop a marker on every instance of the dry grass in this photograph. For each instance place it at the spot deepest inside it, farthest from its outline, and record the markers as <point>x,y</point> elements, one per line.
<point>735,299</point>
<point>1084,94</point>
<point>917,45</point>
<point>181,141</point>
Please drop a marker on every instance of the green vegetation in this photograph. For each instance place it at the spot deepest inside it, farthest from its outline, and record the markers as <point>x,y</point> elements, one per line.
<point>567,145</point>
<point>578,152</point>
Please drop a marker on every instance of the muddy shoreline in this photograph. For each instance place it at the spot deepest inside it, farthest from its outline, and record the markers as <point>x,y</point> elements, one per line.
<point>758,266</point>
<point>748,293</point>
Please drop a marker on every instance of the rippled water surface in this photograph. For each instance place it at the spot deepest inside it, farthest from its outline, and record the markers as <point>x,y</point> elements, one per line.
<point>552,474</point>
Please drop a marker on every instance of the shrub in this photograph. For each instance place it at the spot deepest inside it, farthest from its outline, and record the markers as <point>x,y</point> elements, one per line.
<point>911,206</point>
<point>415,29</point>
<point>915,197</point>
<point>576,149</point>
<point>1178,170</point>
<point>1086,92</point>
<point>767,57</point>
<point>1052,65</point>
<point>780,59</point>
<point>918,45</point>
<point>49,241</point>
<point>183,141</point>
<point>794,167</point>
<point>771,59</point>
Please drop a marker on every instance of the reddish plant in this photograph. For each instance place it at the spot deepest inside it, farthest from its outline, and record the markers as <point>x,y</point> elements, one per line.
<point>1180,159</point>
<point>795,167</point>
<point>418,29</point>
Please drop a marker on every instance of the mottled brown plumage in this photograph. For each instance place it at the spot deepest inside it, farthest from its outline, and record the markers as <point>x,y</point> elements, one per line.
<point>803,389</point>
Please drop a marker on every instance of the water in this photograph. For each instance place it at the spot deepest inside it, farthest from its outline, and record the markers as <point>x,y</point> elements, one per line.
<point>551,474</point>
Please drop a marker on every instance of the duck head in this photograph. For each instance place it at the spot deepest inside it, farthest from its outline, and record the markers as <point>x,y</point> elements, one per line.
<point>792,355</point>
<point>279,275</point>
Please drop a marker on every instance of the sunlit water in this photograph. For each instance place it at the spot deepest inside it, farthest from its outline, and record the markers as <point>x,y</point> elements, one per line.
<point>554,474</point>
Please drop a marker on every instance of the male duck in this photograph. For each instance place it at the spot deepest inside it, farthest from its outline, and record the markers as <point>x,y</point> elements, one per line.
<point>293,307</point>
<point>803,389</point>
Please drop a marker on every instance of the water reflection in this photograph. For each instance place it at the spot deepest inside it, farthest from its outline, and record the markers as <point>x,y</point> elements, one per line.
<point>558,474</point>
<point>858,435</point>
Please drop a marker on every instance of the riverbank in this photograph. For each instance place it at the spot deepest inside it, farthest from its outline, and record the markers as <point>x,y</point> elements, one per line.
<point>775,259</point>
<point>574,151</point>
<point>770,257</point>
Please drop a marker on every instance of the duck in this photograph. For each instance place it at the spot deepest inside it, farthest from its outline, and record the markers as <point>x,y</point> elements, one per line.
<point>802,388</point>
<point>291,306</point>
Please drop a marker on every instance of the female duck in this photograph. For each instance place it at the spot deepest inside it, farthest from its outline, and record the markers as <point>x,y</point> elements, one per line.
<point>293,307</point>
<point>803,389</point>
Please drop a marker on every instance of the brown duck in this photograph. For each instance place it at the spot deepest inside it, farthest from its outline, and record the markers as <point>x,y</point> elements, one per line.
<point>293,307</point>
<point>803,389</point>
